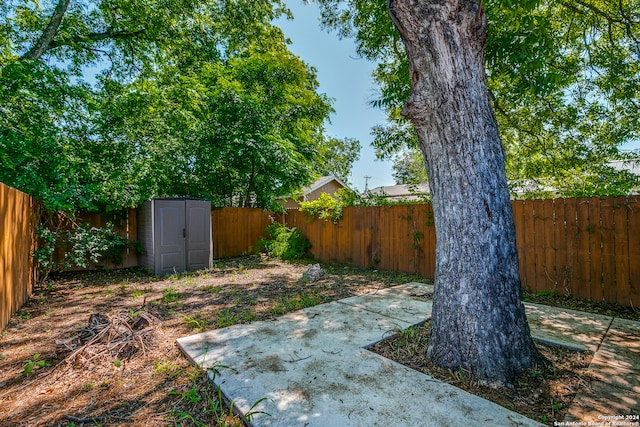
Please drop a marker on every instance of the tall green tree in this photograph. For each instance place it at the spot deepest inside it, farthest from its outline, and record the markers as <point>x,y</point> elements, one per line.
<point>563,78</point>
<point>549,57</point>
<point>43,120</point>
<point>240,132</point>
<point>478,321</point>
<point>196,99</point>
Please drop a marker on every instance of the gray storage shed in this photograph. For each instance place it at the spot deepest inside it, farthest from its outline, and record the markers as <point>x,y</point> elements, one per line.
<point>175,234</point>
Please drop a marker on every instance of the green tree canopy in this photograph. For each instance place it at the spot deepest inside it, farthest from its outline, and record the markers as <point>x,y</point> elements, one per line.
<point>199,99</point>
<point>239,132</point>
<point>409,168</point>
<point>564,78</point>
<point>337,157</point>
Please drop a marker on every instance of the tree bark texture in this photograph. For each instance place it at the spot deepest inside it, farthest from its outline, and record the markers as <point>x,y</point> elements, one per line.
<point>478,321</point>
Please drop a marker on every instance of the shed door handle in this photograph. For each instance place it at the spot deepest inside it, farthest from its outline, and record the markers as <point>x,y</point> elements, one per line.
<point>184,232</point>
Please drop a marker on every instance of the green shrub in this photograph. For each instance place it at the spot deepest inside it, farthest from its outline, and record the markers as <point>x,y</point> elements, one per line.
<point>89,244</point>
<point>324,207</point>
<point>283,242</point>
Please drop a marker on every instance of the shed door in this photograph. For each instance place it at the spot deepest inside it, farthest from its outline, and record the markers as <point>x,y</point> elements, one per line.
<point>198,234</point>
<point>170,231</point>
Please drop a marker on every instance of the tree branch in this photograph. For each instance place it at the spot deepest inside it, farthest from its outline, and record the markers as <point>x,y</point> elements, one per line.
<point>45,40</point>
<point>95,37</point>
<point>598,11</point>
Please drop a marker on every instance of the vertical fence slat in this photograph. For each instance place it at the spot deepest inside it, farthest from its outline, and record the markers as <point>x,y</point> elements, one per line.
<point>430,243</point>
<point>595,250</point>
<point>621,250</point>
<point>634,253</point>
<point>529,245</point>
<point>516,207</point>
<point>378,232</point>
<point>571,273</point>
<point>367,241</point>
<point>549,256</point>
<point>344,236</point>
<point>560,245</point>
<point>539,244</point>
<point>357,236</point>
<point>608,259</point>
<point>583,268</point>
<point>404,241</point>
<point>373,236</point>
<point>417,229</point>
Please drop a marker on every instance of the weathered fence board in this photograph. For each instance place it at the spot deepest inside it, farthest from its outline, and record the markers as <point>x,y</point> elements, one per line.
<point>236,231</point>
<point>17,238</point>
<point>633,218</point>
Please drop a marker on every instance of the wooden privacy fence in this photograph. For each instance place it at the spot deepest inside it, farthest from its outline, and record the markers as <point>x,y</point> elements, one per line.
<point>17,237</point>
<point>398,238</point>
<point>236,231</point>
<point>587,248</point>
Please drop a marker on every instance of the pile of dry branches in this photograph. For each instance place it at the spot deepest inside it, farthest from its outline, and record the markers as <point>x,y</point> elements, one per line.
<point>115,337</point>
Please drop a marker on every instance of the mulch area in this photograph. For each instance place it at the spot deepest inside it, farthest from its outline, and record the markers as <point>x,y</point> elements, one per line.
<point>543,394</point>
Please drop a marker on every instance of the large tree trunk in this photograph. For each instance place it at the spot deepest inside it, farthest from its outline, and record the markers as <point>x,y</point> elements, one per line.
<point>478,322</point>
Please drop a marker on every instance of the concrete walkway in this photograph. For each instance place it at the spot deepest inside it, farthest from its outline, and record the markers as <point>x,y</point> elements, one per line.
<point>311,367</point>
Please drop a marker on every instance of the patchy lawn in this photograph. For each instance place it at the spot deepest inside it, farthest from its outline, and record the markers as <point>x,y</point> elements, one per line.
<point>98,348</point>
<point>61,366</point>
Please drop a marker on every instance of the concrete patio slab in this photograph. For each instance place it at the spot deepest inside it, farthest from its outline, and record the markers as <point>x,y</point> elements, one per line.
<point>400,307</point>
<point>412,289</point>
<point>312,369</point>
<point>623,339</point>
<point>617,362</point>
<point>601,402</point>
<point>331,327</point>
<point>357,388</point>
<point>615,390</point>
<point>568,328</point>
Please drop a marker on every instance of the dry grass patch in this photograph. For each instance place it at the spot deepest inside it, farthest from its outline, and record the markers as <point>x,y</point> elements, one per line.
<point>75,354</point>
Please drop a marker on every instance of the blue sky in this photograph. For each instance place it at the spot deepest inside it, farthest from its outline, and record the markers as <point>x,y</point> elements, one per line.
<point>345,78</point>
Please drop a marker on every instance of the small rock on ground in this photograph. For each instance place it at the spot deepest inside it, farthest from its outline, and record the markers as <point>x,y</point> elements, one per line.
<point>313,273</point>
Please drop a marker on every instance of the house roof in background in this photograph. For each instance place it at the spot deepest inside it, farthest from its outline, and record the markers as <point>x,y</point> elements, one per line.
<point>324,180</point>
<point>402,191</point>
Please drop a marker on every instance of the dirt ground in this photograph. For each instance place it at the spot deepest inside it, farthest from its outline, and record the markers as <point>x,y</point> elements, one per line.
<point>61,366</point>
<point>98,348</point>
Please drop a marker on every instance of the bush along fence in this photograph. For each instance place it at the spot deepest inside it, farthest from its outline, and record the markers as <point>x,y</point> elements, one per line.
<point>18,215</point>
<point>90,241</point>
